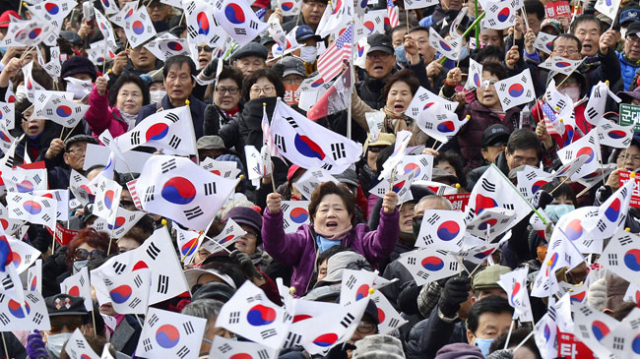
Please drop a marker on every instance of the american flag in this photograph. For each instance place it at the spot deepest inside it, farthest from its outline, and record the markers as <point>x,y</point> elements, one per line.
<point>550,117</point>
<point>392,14</point>
<point>330,62</point>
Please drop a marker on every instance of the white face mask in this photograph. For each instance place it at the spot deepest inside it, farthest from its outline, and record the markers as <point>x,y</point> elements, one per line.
<point>572,92</point>
<point>21,92</point>
<point>308,53</point>
<point>55,342</point>
<point>156,95</point>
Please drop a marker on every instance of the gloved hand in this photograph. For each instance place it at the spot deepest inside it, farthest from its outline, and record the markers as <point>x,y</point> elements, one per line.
<point>597,294</point>
<point>244,262</point>
<point>208,71</point>
<point>36,349</point>
<point>456,292</point>
<point>428,298</point>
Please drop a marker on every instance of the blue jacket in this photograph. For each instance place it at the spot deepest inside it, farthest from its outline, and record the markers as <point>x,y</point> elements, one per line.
<point>196,106</point>
<point>627,70</point>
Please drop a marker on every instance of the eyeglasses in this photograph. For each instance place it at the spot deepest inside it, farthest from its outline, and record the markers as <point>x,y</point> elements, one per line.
<point>229,90</point>
<point>250,234</point>
<point>568,50</point>
<point>366,327</point>
<point>634,158</point>
<point>82,254</point>
<point>267,90</point>
<point>77,150</point>
<point>72,323</point>
<point>378,55</point>
<point>205,48</point>
<point>127,203</point>
<point>376,149</point>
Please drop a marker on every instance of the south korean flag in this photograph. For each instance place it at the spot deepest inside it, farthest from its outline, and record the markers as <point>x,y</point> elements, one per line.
<point>296,213</point>
<point>20,180</point>
<point>441,229</point>
<point>27,314</point>
<point>124,221</point>
<point>179,189</point>
<point>228,348</point>
<point>32,208</point>
<point>171,335</point>
<point>139,28</point>
<point>515,90</point>
<point>202,27</point>
<point>448,48</point>
<point>589,147</point>
<point>311,179</point>
<point>544,42</point>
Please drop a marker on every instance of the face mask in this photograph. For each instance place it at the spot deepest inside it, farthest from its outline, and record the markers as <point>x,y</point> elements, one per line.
<point>484,345</point>
<point>4,49</point>
<point>156,96</point>
<point>555,211</point>
<point>55,342</point>
<point>78,265</point>
<point>401,56</point>
<point>21,92</point>
<point>541,251</point>
<point>464,53</point>
<point>308,53</point>
<point>572,92</point>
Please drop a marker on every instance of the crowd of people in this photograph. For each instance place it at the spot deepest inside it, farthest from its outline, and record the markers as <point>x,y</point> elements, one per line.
<point>374,216</point>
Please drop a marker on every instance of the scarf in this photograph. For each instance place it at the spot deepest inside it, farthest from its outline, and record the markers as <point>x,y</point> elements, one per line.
<point>332,236</point>
<point>130,120</point>
<point>391,118</point>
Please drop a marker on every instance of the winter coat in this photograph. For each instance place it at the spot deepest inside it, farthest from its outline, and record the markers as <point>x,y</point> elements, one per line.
<point>196,107</point>
<point>429,335</point>
<point>215,119</point>
<point>474,176</point>
<point>100,116</point>
<point>470,135</point>
<point>627,70</point>
<point>300,249</point>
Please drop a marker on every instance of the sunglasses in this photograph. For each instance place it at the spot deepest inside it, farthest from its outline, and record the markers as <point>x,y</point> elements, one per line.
<point>72,323</point>
<point>82,254</point>
<point>376,149</point>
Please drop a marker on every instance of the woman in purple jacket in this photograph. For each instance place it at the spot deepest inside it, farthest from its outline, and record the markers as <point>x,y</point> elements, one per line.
<point>332,210</point>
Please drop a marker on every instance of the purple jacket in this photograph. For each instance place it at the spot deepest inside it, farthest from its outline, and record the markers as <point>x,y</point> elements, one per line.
<point>101,117</point>
<point>300,250</point>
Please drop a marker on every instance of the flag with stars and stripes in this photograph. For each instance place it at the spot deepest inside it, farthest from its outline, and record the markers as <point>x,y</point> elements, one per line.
<point>330,62</point>
<point>392,14</point>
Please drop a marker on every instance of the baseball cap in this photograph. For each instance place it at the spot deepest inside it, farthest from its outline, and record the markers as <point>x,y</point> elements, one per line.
<point>631,14</point>
<point>384,139</point>
<point>380,42</point>
<point>304,32</point>
<point>633,28</point>
<point>495,133</point>
<point>489,277</point>
<point>5,18</point>
<point>65,304</point>
<point>336,266</point>
<point>192,276</point>
<point>292,65</point>
<point>210,143</point>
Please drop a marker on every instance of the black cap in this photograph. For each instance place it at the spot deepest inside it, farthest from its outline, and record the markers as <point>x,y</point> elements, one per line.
<point>633,28</point>
<point>251,49</point>
<point>65,304</point>
<point>80,138</point>
<point>214,290</point>
<point>630,14</point>
<point>266,39</point>
<point>380,42</point>
<point>495,133</point>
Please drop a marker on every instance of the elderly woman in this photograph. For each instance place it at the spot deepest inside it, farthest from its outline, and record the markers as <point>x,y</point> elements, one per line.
<point>332,211</point>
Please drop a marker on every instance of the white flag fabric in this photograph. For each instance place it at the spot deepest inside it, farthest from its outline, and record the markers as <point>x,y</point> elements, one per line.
<point>622,256</point>
<point>356,285</point>
<point>561,65</point>
<point>107,199</point>
<point>310,145</point>
<point>179,189</point>
<point>30,314</point>
<point>311,179</point>
<point>561,253</point>
<point>34,277</point>
<point>169,130</point>
<point>531,179</point>
<point>491,223</point>
<point>62,202</point>
<point>544,42</point>
<point>230,233</point>
<point>500,15</point>
<point>556,100</point>
<point>448,48</point>
<point>255,167</point>
<point>592,326</point>
<point>295,213</point>
<point>228,348</point>
<point>424,99</point>
<point>421,164</point>
<point>623,340</point>
<point>612,214</point>
<point>400,184</point>
<point>53,12</point>
<point>609,8</point>
<point>124,221</point>
<point>427,265</point>
<point>60,110</point>
<point>201,26</point>
<point>389,167</point>
<point>439,123</point>
<point>493,190</point>
<point>587,146</point>
<point>388,316</point>
<point>166,48</point>
<point>516,90</point>
<point>515,284</point>
<point>9,225</point>
<point>123,283</point>
<point>478,253</point>
<point>574,224</point>
<point>78,285</point>
<point>81,188</point>
<point>138,27</point>
<point>597,101</point>
<point>225,169</point>
<point>251,314</point>
<point>238,20</point>
<point>77,347</point>
<point>107,30</point>
<point>335,18</point>
<point>23,256</point>
<point>29,83</point>
<point>110,7</point>
<point>32,208</point>
<point>290,7</point>
<point>419,4</point>
<point>20,180</point>
<point>546,333</point>
<point>168,334</point>
<point>27,33</point>
<point>372,23</point>
<point>188,244</point>
<point>441,229</point>
<point>474,78</point>
<point>125,12</point>
<point>614,135</point>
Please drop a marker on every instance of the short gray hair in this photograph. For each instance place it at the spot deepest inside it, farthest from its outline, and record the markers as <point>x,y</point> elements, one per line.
<point>444,202</point>
<point>204,308</point>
